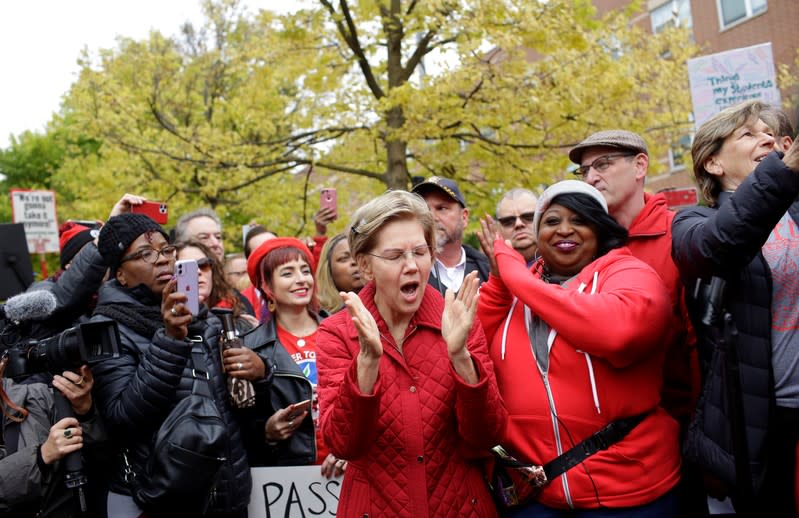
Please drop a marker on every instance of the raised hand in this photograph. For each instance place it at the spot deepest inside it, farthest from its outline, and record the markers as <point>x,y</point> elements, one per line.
<point>368,335</point>
<point>488,233</point>
<point>125,203</point>
<point>369,340</point>
<point>458,316</point>
<point>174,312</point>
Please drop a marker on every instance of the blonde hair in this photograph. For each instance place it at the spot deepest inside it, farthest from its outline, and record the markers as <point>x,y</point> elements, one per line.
<point>711,136</point>
<point>370,218</point>
<point>327,291</point>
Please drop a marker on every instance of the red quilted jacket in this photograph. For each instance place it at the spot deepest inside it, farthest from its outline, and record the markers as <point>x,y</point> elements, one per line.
<point>413,445</point>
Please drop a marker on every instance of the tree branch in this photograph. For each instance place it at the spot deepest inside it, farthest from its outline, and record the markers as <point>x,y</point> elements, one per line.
<point>350,35</point>
<point>418,54</point>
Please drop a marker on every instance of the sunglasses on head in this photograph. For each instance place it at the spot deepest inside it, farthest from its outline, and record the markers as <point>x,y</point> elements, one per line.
<point>509,221</point>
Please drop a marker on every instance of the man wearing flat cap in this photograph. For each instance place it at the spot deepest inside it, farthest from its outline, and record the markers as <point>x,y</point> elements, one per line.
<point>616,163</point>
<point>454,260</point>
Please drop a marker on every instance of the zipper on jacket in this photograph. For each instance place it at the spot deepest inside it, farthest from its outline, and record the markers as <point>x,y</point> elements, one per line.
<point>553,413</point>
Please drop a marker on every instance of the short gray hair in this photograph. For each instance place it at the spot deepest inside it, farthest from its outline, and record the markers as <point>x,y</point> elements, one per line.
<point>370,218</point>
<point>515,194</point>
<point>183,221</point>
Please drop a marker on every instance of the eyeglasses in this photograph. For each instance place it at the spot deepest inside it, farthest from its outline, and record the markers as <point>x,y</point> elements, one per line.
<point>601,164</point>
<point>150,255</point>
<point>205,264</point>
<point>419,253</point>
<point>509,221</point>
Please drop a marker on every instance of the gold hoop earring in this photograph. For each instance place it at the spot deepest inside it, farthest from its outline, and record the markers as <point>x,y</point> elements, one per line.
<point>270,305</point>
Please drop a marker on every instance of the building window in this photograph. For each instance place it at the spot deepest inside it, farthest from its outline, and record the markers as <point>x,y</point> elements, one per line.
<point>674,13</point>
<point>734,11</point>
<point>679,152</point>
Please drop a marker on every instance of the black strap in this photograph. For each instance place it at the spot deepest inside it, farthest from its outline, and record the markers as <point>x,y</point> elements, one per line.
<point>601,440</point>
<point>198,372</point>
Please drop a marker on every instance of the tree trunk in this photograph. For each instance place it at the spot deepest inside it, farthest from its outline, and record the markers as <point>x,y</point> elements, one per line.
<point>397,170</point>
<point>397,162</point>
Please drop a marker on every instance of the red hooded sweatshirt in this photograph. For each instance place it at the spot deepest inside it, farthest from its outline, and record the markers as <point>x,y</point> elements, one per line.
<point>605,363</point>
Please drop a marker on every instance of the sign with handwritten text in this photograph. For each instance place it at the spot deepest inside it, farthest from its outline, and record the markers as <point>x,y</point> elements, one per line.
<point>36,211</point>
<point>731,77</point>
<point>288,491</point>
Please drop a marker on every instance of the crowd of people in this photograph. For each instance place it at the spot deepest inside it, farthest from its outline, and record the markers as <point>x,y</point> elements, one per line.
<point>601,355</point>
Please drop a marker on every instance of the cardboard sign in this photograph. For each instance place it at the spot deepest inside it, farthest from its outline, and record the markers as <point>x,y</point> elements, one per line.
<point>293,491</point>
<point>36,211</point>
<point>731,77</point>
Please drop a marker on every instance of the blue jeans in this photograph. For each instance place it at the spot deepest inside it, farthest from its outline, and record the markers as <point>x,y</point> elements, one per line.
<point>663,507</point>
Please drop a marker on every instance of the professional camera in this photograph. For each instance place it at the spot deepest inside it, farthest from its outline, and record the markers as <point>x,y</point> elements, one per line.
<point>87,343</point>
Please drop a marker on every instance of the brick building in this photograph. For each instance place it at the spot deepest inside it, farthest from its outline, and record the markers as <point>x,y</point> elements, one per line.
<point>719,25</point>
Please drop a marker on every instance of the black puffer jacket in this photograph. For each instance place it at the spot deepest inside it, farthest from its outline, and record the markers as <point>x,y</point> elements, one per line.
<point>136,391</point>
<point>725,242</point>
<point>287,385</point>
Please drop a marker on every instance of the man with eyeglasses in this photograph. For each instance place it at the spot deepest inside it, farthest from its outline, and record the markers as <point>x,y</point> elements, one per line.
<point>515,213</point>
<point>616,163</point>
<point>454,260</point>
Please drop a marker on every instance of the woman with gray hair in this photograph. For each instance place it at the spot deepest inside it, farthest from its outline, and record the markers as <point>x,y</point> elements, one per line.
<point>406,390</point>
<point>738,258</point>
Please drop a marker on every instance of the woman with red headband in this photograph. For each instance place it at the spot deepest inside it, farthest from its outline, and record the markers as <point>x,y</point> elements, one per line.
<point>282,270</point>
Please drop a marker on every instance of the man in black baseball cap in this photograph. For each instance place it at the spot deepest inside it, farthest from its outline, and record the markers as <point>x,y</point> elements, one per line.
<point>453,259</point>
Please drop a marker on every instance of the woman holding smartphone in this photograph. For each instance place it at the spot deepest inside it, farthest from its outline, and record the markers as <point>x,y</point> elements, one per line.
<point>136,390</point>
<point>282,270</point>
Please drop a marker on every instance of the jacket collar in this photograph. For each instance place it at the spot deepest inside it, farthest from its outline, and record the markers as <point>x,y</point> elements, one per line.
<point>428,314</point>
<point>650,221</point>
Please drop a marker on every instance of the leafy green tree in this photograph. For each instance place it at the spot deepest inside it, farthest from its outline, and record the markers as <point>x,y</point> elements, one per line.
<point>235,113</point>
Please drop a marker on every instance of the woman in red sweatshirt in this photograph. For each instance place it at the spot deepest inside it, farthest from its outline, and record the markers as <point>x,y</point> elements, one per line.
<point>575,343</point>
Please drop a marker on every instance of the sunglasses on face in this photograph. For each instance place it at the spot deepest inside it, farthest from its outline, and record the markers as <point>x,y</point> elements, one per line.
<point>205,264</point>
<point>509,221</point>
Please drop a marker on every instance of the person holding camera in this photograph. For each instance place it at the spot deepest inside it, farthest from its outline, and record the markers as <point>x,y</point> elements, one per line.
<point>35,443</point>
<point>162,347</point>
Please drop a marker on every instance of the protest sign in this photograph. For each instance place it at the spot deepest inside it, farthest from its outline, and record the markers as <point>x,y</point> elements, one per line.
<point>36,211</point>
<point>292,491</point>
<point>731,77</point>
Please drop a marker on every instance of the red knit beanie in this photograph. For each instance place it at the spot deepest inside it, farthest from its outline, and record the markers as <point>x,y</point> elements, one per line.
<point>254,261</point>
<point>72,238</point>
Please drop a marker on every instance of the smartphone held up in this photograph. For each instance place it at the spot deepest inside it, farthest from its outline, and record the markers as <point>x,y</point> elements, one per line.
<point>156,210</point>
<point>328,200</point>
<point>187,275</point>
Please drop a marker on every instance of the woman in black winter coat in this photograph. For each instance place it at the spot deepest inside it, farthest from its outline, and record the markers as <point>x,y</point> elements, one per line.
<point>136,391</point>
<point>738,258</point>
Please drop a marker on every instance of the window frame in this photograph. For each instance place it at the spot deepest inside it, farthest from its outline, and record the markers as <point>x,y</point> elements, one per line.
<point>748,16</point>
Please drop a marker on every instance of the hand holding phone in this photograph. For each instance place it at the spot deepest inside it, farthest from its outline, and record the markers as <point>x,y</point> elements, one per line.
<point>296,409</point>
<point>187,274</point>
<point>156,210</point>
<point>328,199</point>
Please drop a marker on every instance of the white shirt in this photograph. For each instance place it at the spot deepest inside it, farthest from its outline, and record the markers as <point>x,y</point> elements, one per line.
<point>452,277</point>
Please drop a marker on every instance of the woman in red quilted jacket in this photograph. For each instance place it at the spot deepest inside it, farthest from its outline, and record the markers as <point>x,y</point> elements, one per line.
<point>406,389</point>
